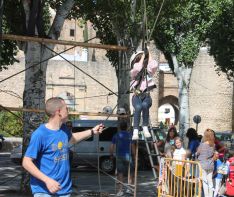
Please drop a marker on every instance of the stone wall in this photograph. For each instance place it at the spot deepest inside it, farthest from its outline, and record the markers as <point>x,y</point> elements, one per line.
<point>63,77</point>
<point>210,95</point>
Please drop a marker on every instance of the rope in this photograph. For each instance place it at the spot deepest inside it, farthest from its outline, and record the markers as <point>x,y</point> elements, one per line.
<point>112,177</point>
<point>82,70</point>
<point>11,179</point>
<point>1,19</point>
<point>146,22</point>
<point>16,115</point>
<point>41,62</point>
<point>151,32</point>
<point>33,65</point>
<point>11,93</point>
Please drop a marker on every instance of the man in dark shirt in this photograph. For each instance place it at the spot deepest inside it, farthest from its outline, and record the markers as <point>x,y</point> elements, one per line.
<point>124,148</point>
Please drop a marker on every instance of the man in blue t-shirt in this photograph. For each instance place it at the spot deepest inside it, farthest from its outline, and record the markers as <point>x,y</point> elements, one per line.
<point>47,156</point>
<point>124,148</point>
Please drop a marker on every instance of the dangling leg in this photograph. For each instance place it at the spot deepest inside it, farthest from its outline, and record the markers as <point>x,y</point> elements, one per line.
<point>146,104</point>
<point>137,104</point>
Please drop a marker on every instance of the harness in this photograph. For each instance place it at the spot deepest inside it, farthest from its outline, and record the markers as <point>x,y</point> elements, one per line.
<point>143,74</point>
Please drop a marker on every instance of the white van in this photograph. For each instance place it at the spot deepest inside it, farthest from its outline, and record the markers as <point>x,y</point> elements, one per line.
<point>88,151</point>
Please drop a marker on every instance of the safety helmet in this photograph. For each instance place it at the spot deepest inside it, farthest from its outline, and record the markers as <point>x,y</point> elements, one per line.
<point>107,110</point>
<point>121,111</point>
<point>134,56</point>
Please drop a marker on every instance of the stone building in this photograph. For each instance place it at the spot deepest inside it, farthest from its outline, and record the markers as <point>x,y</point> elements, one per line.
<point>210,95</point>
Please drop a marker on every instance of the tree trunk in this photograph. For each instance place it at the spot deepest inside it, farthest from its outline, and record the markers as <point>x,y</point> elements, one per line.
<point>35,78</point>
<point>155,93</point>
<point>33,97</point>
<point>123,76</point>
<point>183,75</point>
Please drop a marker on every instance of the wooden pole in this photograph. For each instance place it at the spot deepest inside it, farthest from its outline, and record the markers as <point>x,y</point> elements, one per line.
<point>62,42</point>
<point>71,113</point>
<point>136,170</point>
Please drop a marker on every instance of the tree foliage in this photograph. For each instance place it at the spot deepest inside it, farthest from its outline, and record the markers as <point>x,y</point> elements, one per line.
<point>14,22</point>
<point>112,21</point>
<point>10,124</point>
<point>181,29</point>
<point>221,38</point>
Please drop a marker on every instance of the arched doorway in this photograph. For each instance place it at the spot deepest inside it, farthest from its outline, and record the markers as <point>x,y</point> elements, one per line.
<point>168,110</point>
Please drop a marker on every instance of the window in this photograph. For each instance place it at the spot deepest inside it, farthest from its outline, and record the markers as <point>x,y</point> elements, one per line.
<point>72,32</point>
<point>80,129</point>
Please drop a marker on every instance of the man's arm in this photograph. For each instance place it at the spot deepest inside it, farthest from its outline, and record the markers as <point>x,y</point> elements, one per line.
<point>52,185</point>
<point>79,136</point>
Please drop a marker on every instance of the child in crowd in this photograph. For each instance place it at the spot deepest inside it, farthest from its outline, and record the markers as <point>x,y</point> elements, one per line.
<point>143,69</point>
<point>179,154</point>
<point>179,170</point>
<point>124,148</point>
<point>217,177</point>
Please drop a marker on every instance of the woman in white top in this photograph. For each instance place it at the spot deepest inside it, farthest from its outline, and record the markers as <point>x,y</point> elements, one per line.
<point>170,141</point>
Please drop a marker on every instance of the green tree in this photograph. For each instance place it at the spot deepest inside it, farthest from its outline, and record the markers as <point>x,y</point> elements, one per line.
<point>180,32</point>
<point>221,38</point>
<point>11,125</point>
<point>16,19</point>
<point>118,23</point>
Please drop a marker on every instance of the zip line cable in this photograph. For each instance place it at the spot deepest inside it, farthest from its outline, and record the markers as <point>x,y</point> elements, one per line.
<point>156,20</point>
<point>11,93</point>
<point>34,65</point>
<point>1,19</point>
<point>81,70</point>
<point>17,116</point>
<point>145,25</point>
<point>41,62</point>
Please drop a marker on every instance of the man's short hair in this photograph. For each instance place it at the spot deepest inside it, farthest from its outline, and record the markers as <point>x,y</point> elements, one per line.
<point>52,105</point>
<point>123,125</point>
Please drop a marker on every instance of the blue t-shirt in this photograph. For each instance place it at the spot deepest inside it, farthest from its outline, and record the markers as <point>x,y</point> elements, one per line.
<point>193,145</point>
<point>50,151</point>
<point>217,164</point>
<point>122,140</point>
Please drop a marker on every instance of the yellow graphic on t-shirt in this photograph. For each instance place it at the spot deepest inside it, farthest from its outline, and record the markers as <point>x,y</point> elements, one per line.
<point>60,145</point>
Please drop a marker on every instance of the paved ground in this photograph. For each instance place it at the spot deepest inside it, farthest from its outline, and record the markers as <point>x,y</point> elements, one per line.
<point>85,181</point>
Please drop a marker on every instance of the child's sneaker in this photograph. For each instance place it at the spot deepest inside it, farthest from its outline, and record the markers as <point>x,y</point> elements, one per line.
<point>146,132</point>
<point>120,193</point>
<point>135,135</point>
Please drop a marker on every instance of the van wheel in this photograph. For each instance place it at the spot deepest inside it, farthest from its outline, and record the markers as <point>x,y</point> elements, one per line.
<point>107,165</point>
